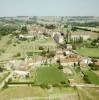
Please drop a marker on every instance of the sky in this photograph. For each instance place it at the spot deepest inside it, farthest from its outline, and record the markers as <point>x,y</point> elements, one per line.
<point>49,7</point>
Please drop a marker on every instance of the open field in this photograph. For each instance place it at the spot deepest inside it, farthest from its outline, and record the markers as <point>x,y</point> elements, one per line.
<point>21,92</point>
<point>77,76</point>
<point>91,52</point>
<point>49,75</point>
<point>30,93</point>
<point>92,77</point>
<point>10,46</point>
<point>96,72</point>
<point>86,93</point>
<point>3,75</point>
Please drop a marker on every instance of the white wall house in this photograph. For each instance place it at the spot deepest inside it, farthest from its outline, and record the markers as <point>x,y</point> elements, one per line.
<point>21,74</point>
<point>27,36</point>
<point>58,38</point>
<point>77,36</point>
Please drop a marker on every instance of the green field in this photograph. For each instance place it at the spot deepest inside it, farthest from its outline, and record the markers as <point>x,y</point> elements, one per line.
<point>10,46</point>
<point>21,92</point>
<point>88,93</point>
<point>49,75</point>
<point>30,93</point>
<point>91,52</point>
<point>92,77</point>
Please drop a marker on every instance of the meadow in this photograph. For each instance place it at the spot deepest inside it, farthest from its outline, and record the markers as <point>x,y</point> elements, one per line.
<point>49,75</point>
<point>90,52</point>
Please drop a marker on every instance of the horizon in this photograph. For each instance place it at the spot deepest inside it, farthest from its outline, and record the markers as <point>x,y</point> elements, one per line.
<point>48,8</point>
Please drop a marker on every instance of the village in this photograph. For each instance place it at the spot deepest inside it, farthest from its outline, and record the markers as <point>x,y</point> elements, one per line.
<point>49,56</point>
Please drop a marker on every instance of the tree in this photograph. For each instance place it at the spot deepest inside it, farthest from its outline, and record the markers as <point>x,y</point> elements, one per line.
<point>50,26</point>
<point>1,68</point>
<point>73,28</point>
<point>60,66</point>
<point>43,53</point>
<point>58,61</point>
<point>50,55</point>
<point>74,64</point>
<point>41,48</point>
<point>24,30</point>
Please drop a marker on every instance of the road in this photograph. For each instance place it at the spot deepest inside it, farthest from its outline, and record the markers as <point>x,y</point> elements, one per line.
<point>5,80</point>
<point>84,85</point>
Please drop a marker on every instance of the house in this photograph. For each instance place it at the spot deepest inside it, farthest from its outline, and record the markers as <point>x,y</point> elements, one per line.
<point>20,74</point>
<point>69,61</point>
<point>58,37</point>
<point>68,46</point>
<point>96,64</point>
<point>68,52</point>
<point>71,82</point>
<point>59,55</point>
<point>84,61</point>
<point>82,34</point>
<point>26,36</point>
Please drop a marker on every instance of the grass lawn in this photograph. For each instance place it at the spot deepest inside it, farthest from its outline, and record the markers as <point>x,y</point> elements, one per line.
<point>86,93</point>
<point>76,76</point>
<point>28,92</point>
<point>22,92</point>
<point>49,75</point>
<point>92,77</point>
<point>91,52</point>
<point>3,75</point>
<point>18,46</point>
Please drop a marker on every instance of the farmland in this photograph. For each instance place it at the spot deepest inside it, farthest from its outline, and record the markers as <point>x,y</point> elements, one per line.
<point>49,75</point>
<point>86,93</point>
<point>92,77</point>
<point>38,93</point>
<point>91,52</point>
<point>9,46</point>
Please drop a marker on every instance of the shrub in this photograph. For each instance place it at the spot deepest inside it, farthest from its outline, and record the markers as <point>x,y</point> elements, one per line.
<point>44,86</point>
<point>18,54</point>
<point>14,44</point>
<point>41,48</point>
<point>9,41</point>
<point>60,67</point>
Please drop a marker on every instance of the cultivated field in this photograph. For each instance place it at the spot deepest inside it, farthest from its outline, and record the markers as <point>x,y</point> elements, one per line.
<point>10,46</point>
<point>86,93</point>
<point>92,77</point>
<point>91,52</point>
<point>37,93</point>
<point>49,75</point>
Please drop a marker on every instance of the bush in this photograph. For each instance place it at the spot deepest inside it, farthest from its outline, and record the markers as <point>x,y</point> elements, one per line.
<point>2,50</point>
<point>18,54</point>
<point>60,67</point>
<point>56,85</point>
<point>41,48</point>
<point>63,82</point>
<point>44,86</point>
<point>9,41</point>
<point>29,53</point>
<point>14,44</point>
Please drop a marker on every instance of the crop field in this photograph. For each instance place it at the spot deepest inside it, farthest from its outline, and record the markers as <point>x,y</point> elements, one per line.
<point>91,52</point>
<point>49,75</point>
<point>92,77</point>
<point>87,93</point>
<point>37,93</point>
<point>10,46</point>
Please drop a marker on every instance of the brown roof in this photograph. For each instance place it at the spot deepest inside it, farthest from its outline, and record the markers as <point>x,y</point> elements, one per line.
<point>69,60</point>
<point>97,63</point>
